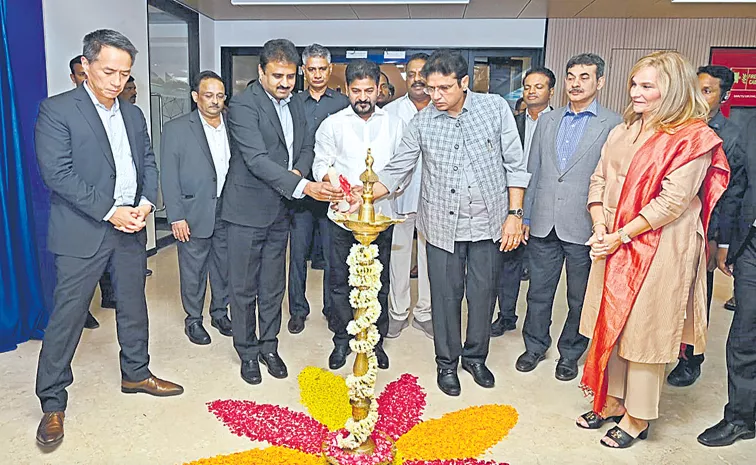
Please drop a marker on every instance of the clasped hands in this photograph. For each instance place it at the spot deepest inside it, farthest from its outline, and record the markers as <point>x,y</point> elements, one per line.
<point>325,192</point>
<point>130,219</point>
<point>603,244</point>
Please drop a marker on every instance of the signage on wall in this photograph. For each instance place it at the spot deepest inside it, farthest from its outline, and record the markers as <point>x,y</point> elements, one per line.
<point>742,62</point>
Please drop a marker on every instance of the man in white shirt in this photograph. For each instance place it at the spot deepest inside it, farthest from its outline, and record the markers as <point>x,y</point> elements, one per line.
<point>406,203</point>
<point>342,142</point>
<point>538,88</point>
<point>194,158</point>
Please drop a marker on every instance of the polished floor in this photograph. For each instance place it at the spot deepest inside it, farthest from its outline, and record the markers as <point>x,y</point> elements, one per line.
<point>106,427</point>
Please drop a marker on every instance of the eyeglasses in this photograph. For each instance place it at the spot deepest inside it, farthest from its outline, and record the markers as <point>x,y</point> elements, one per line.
<point>219,97</point>
<point>441,89</point>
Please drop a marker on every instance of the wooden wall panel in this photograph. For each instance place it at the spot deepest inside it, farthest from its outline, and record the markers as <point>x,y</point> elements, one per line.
<point>622,41</point>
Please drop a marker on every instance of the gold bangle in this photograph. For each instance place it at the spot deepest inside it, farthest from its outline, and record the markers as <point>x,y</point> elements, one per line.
<point>593,228</point>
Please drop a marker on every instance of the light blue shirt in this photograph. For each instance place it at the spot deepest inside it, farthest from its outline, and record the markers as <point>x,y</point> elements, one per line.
<point>125,190</point>
<point>287,124</point>
<point>571,130</point>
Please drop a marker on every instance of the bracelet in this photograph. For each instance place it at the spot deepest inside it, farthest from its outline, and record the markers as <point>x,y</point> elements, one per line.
<point>593,228</point>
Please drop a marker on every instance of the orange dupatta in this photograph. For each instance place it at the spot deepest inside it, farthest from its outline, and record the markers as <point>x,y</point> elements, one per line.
<point>627,268</point>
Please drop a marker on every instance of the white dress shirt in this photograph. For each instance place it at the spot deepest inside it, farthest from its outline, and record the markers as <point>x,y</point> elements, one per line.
<point>126,175</point>
<point>342,141</point>
<point>407,197</point>
<point>217,140</point>
<point>530,127</point>
<point>287,124</point>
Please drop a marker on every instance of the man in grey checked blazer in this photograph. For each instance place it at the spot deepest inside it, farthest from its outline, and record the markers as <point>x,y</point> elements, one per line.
<point>565,150</point>
<point>472,188</point>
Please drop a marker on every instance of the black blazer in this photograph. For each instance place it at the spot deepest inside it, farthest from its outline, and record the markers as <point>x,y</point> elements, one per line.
<point>187,174</point>
<point>258,180</point>
<point>520,120</point>
<point>738,204</point>
<point>77,165</point>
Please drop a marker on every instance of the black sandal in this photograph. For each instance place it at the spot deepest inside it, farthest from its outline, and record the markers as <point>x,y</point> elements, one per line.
<point>621,438</point>
<point>595,421</point>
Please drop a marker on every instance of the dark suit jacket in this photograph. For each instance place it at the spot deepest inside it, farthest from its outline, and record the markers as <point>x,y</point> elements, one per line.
<point>258,180</point>
<point>77,165</point>
<point>732,144</point>
<point>520,120</point>
<point>738,204</point>
<point>187,175</point>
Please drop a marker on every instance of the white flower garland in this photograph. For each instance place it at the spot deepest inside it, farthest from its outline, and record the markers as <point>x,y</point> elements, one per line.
<point>365,277</point>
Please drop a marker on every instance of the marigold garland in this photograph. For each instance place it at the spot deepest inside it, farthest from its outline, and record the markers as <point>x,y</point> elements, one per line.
<point>271,455</point>
<point>465,434</point>
<point>325,396</point>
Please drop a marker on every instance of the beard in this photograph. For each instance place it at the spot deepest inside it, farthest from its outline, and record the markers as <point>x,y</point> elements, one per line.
<point>363,107</point>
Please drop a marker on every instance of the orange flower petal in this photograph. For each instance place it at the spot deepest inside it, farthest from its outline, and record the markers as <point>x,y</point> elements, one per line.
<point>270,456</point>
<point>464,434</point>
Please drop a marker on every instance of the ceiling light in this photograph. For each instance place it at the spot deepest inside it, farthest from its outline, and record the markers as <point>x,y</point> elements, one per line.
<point>347,2</point>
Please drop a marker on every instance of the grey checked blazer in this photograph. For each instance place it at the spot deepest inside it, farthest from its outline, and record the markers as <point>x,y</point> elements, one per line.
<point>557,199</point>
<point>485,132</point>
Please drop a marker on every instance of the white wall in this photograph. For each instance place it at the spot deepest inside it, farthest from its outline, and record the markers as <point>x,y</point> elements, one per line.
<point>431,33</point>
<point>208,50</point>
<point>66,25</point>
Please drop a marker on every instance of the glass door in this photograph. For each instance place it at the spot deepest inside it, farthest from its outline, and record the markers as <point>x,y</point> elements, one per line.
<point>501,71</point>
<point>174,60</point>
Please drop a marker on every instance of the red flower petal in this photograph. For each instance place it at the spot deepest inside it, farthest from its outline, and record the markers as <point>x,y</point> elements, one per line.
<point>270,423</point>
<point>400,406</point>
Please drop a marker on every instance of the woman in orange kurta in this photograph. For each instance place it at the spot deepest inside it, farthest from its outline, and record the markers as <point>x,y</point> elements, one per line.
<point>660,174</point>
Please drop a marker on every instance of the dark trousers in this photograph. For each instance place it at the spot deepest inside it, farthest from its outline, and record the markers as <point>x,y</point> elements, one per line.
<point>741,342</point>
<point>508,287</point>
<point>307,215</point>
<point>547,256</point>
<point>199,258</point>
<point>688,352</point>
<point>75,284</point>
<point>257,280</point>
<point>341,312</point>
<point>471,271</point>
<point>107,294</point>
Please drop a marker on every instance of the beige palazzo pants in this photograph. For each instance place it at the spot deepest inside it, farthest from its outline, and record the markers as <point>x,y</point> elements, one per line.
<point>639,384</point>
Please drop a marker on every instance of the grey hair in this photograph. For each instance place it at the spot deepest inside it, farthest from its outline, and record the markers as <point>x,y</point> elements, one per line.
<point>587,59</point>
<point>94,41</point>
<point>316,51</point>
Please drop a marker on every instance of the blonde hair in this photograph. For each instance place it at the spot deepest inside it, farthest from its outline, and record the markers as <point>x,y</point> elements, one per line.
<point>681,97</point>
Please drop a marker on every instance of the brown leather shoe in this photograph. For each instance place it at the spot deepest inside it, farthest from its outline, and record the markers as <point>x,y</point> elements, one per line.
<point>50,431</point>
<point>153,386</point>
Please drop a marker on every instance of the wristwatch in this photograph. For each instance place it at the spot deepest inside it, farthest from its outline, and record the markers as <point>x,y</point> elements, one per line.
<point>519,213</point>
<point>624,236</point>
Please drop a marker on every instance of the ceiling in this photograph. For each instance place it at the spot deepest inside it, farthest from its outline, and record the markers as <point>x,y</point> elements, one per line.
<point>224,10</point>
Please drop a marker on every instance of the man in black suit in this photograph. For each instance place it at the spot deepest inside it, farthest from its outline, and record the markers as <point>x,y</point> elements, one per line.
<point>715,82</point>
<point>194,158</point>
<point>95,157</point>
<point>737,257</point>
<point>271,153</point>
<point>538,88</point>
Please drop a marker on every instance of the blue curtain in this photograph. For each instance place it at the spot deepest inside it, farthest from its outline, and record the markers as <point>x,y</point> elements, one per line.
<point>23,313</point>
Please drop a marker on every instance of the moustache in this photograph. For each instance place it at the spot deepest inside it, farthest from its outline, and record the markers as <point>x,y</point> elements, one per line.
<point>362,102</point>
<point>418,84</point>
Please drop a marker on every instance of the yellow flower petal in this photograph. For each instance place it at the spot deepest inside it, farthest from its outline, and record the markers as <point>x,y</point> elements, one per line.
<point>464,434</point>
<point>270,456</point>
<point>325,396</point>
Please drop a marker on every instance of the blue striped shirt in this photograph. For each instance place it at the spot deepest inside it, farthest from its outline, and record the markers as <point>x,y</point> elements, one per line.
<point>571,130</point>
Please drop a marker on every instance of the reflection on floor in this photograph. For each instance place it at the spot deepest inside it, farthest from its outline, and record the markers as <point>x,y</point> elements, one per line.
<point>106,427</point>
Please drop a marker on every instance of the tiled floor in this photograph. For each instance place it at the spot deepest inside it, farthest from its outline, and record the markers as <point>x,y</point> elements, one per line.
<point>104,426</point>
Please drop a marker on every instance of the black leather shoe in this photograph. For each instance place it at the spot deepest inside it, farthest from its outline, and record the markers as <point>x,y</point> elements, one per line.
<point>684,374</point>
<point>528,361</point>
<point>296,324</point>
<point>480,373</point>
<point>338,357</point>
<point>108,304</point>
<point>223,325</point>
<point>91,322</point>
<point>731,304</point>
<point>501,326</point>
<point>448,382</point>
<point>383,360</point>
<point>250,371</point>
<point>276,366</point>
<point>566,369</point>
<point>725,433</point>
<point>197,333</point>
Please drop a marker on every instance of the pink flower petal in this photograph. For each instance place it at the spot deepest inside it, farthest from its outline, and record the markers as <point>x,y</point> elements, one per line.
<point>276,425</point>
<point>400,406</point>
